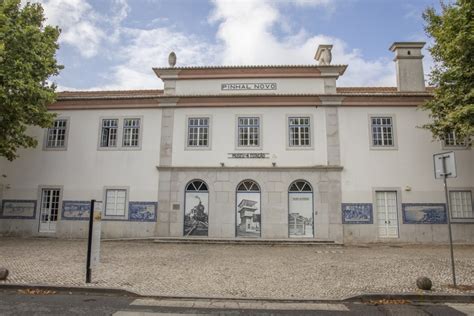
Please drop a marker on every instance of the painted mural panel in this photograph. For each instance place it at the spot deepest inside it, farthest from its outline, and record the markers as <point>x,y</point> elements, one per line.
<point>76,210</point>
<point>300,217</point>
<point>196,214</point>
<point>142,211</point>
<point>357,213</point>
<point>248,214</point>
<point>424,213</point>
<point>20,209</point>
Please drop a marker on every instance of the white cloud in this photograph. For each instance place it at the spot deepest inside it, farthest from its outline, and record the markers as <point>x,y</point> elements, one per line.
<point>245,29</point>
<point>82,27</point>
<point>149,48</point>
<point>246,34</point>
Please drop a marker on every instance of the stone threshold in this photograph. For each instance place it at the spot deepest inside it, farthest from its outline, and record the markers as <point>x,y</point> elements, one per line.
<point>245,241</point>
<point>244,168</point>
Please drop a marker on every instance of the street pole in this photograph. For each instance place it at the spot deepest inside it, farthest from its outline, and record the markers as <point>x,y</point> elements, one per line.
<point>89,243</point>
<point>445,175</point>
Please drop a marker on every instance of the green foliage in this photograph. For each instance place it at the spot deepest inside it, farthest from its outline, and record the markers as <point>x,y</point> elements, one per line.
<point>27,60</point>
<point>452,107</point>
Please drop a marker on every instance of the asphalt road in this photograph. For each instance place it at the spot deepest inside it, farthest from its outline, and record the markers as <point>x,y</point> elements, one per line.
<point>13,302</point>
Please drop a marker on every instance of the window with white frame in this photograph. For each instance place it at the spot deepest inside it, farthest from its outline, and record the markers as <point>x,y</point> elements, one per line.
<point>299,130</point>
<point>57,134</point>
<point>451,140</point>
<point>131,132</point>
<point>198,132</point>
<point>115,200</point>
<point>461,204</point>
<point>248,131</point>
<point>109,133</point>
<point>382,131</point>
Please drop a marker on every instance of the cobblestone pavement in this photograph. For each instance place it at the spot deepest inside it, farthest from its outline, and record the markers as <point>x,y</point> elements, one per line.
<point>306,272</point>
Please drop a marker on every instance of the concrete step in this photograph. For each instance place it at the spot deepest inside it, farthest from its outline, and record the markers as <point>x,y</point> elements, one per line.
<point>245,241</point>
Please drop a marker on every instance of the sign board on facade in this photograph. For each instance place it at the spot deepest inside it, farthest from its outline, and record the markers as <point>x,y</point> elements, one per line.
<point>449,163</point>
<point>249,86</point>
<point>249,155</point>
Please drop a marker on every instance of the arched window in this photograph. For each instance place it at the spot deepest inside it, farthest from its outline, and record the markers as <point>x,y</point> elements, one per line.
<point>300,186</point>
<point>300,209</point>
<point>196,209</point>
<point>196,185</point>
<point>248,186</point>
<point>248,217</point>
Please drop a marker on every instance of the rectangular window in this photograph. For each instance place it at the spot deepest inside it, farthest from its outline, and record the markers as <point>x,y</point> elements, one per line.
<point>382,131</point>
<point>450,140</point>
<point>115,200</point>
<point>249,131</point>
<point>461,204</point>
<point>56,137</point>
<point>131,132</point>
<point>299,129</point>
<point>198,132</point>
<point>109,133</point>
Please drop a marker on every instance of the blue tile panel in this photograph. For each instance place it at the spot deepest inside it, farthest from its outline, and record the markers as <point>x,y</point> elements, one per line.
<point>18,209</point>
<point>424,213</point>
<point>357,213</point>
<point>137,211</point>
<point>76,210</point>
<point>142,211</point>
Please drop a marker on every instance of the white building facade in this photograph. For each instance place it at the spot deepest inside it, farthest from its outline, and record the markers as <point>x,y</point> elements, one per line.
<point>270,152</point>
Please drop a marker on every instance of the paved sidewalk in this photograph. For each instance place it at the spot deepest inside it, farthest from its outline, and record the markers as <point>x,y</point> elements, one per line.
<point>295,272</point>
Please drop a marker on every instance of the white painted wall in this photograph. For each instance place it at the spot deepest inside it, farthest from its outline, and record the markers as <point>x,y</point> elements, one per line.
<point>213,86</point>
<point>82,170</point>
<point>274,131</point>
<point>411,164</point>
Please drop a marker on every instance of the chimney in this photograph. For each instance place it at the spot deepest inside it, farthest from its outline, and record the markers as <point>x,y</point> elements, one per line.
<point>409,61</point>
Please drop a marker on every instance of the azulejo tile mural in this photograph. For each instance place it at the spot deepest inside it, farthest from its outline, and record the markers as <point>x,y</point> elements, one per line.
<point>357,213</point>
<point>18,209</point>
<point>424,213</point>
<point>142,211</point>
<point>76,210</point>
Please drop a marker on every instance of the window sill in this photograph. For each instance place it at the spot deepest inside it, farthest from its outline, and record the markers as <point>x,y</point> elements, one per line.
<point>381,148</point>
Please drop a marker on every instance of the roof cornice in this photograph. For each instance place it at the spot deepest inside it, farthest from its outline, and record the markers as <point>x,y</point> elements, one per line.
<point>254,71</point>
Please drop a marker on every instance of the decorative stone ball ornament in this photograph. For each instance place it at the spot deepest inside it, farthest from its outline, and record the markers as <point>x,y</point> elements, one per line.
<point>172,59</point>
<point>424,283</point>
<point>3,274</point>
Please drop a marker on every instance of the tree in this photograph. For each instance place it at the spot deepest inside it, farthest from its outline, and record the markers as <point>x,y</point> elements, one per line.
<point>27,60</point>
<point>452,108</point>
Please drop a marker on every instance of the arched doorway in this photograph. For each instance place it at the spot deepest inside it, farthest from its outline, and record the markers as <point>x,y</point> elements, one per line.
<point>196,209</point>
<point>248,216</point>
<point>300,209</point>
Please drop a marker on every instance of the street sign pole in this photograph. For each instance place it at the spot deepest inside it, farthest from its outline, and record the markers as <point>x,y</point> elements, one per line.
<point>89,243</point>
<point>445,176</point>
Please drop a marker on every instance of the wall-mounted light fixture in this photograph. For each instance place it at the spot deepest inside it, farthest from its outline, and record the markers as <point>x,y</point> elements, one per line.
<point>222,164</point>
<point>274,164</point>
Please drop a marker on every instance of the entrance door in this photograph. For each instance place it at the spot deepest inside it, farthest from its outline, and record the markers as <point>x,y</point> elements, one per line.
<point>387,214</point>
<point>49,210</point>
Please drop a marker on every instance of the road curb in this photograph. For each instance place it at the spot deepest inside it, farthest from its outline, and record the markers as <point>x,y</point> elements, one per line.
<point>363,298</point>
<point>74,289</point>
<point>414,297</point>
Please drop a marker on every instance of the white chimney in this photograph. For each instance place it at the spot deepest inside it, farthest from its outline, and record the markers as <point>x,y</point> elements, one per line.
<point>409,61</point>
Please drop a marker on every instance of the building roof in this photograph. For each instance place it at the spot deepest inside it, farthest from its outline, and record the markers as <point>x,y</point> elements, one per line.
<point>157,93</point>
<point>109,94</point>
<point>250,71</point>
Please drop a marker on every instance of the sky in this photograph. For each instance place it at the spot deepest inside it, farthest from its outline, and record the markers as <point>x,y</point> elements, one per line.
<point>113,44</point>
